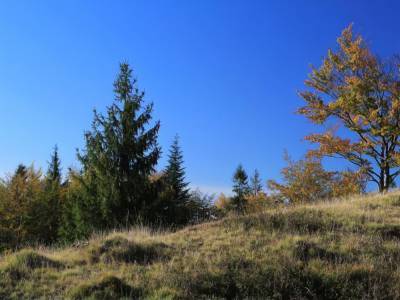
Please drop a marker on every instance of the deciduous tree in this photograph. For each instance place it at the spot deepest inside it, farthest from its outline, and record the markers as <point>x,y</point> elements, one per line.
<point>361,93</point>
<point>307,181</point>
<point>255,183</point>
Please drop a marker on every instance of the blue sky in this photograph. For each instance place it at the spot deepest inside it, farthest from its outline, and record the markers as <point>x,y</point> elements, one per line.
<point>224,75</point>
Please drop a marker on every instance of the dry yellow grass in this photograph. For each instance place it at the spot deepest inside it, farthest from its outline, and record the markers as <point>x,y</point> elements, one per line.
<point>345,248</point>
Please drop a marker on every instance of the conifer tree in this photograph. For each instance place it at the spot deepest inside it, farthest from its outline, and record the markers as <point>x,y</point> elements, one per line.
<point>120,154</point>
<point>177,192</point>
<point>175,172</point>
<point>80,212</point>
<point>54,170</point>
<point>240,188</point>
<point>51,208</point>
<point>255,183</point>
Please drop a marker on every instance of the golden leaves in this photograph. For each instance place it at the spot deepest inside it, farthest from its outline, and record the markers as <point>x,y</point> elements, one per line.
<point>306,181</point>
<point>330,144</point>
<point>360,93</point>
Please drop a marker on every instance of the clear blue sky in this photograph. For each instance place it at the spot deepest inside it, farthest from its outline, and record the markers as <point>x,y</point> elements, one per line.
<point>224,75</point>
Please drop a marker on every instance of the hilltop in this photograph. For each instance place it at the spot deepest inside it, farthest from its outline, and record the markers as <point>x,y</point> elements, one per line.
<point>345,248</point>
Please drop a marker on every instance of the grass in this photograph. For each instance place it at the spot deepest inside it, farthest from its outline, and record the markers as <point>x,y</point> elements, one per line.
<point>342,249</point>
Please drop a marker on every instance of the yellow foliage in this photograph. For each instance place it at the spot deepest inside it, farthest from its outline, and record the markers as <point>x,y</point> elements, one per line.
<point>255,203</point>
<point>355,88</point>
<point>222,202</point>
<point>307,181</point>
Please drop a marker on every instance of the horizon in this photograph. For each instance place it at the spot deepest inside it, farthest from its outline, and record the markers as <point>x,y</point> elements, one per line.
<point>220,75</point>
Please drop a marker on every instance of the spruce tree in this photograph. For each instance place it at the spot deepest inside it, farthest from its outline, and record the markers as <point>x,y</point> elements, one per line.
<point>120,154</point>
<point>240,188</point>
<point>51,206</point>
<point>81,214</point>
<point>21,171</point>
<point>177,194</point>
<point>54,170</point>
<point>175,172</point>
<point>255,183</point>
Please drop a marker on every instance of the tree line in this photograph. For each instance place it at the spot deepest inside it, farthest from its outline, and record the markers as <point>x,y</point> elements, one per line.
<point>118,185</point>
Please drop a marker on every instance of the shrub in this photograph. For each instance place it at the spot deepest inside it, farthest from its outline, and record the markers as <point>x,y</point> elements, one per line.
<point>119,249</point>
<point>22,263</point>
<point>108,287</point>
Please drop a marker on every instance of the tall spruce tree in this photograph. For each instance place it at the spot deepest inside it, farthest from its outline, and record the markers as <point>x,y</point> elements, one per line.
<point>120,154</point>
<point>255,183</point>
<point>175,172</point>
<point>54,170</point>
<point>240,188</point>
<point>51,207</point>
<point>177,192</point>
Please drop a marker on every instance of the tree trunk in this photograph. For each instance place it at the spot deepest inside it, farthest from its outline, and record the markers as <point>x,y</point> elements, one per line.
<point>388,181</point>
<point>382,180</point>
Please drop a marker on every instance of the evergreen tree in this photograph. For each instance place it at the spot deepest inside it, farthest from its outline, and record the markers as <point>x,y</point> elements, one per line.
<point>120,154</point>
<point>79,214</point>
<point>175,172</point>
<point>20,172</point>
<point>51,208</point>
<point>54,170</point>
<point>240,188</point>
<point>255,183</point>
<point>177,192</point>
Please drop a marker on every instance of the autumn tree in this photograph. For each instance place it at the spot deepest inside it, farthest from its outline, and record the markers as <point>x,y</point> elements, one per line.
<point>361,93</point>
<point>307,181</point>
<point>255,183</point>
<point>257,202</point>
<point>20,202</point>
<point>223,202</point>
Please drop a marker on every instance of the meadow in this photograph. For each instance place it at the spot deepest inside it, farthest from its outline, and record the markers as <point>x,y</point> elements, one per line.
<point>338,249</point>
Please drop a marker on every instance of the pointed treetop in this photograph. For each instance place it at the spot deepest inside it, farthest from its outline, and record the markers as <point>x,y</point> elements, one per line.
<point>240,181</point>
<point>54,170</point>
<point>175,171</point>
<point>123,85</point>
<point>21,170</point>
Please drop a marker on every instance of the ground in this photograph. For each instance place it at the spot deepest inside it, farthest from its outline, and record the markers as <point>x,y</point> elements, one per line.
<point>340,249</point>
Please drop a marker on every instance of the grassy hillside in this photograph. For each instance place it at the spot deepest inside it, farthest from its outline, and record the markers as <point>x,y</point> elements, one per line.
<point>343,249</point>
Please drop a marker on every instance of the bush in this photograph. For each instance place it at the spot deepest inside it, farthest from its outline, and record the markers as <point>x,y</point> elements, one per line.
<point>108,287</point>
<point>21,264</point>
<point>119,250</point>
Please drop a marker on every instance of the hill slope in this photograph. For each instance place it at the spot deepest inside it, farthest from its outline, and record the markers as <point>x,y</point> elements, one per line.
<point>343,249</point>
